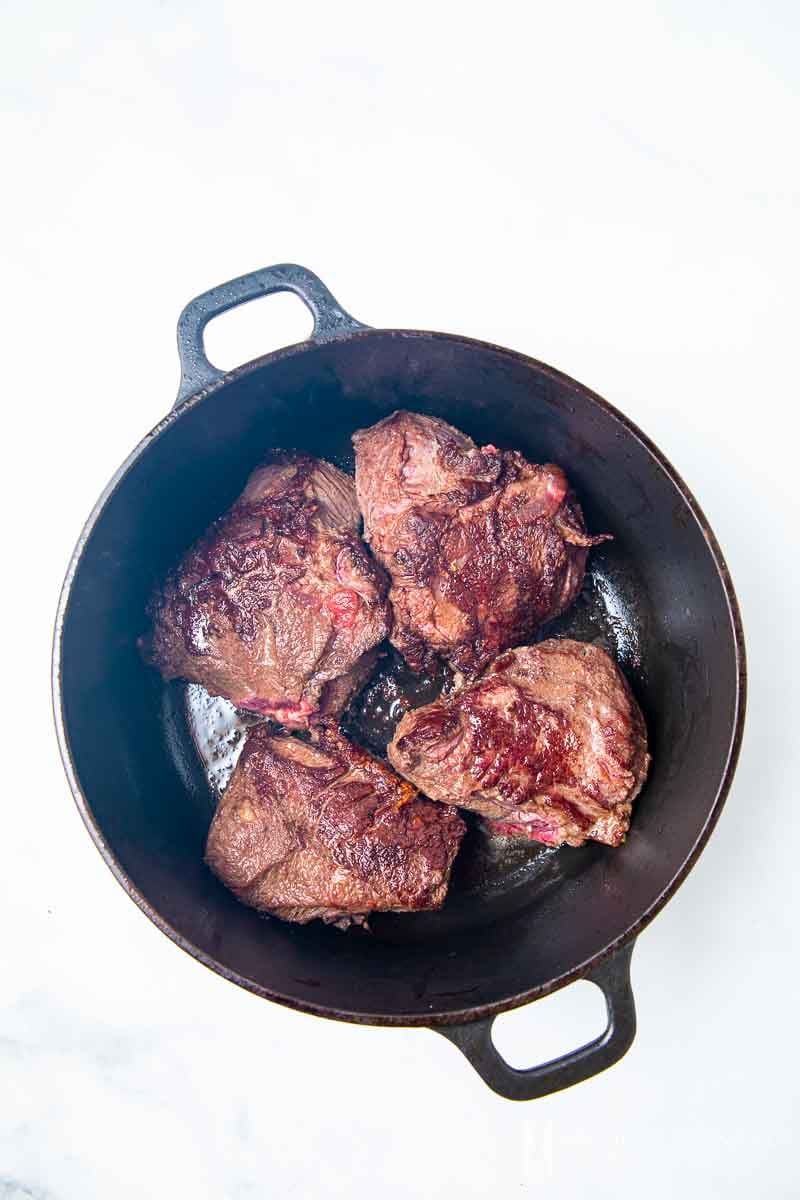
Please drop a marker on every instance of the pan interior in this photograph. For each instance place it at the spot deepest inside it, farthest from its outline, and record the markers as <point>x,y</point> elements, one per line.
<point>518,918</point>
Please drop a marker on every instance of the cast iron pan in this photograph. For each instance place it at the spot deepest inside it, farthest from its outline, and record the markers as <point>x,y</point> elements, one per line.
<point>518,923</point>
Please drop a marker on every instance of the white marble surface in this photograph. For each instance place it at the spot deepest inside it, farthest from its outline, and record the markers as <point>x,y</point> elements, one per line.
<point>613,188</point>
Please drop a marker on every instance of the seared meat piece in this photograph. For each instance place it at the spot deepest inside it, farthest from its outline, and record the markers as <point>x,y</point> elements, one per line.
<point>328,831</point>
<point>549,744</point>
<point>275,605</point>
<point>482,546</point>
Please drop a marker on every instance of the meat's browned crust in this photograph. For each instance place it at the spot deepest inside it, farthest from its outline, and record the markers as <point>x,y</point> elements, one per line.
<point>279,600</point>
<point>482,546</point>
<point>549,744</point>
<point>326,830</point>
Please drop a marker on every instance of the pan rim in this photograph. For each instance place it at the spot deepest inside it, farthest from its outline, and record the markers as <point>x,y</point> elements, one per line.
<point>416,1019</point>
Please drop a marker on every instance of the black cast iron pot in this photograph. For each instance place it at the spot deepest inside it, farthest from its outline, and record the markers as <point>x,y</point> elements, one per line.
<point>515,928</point>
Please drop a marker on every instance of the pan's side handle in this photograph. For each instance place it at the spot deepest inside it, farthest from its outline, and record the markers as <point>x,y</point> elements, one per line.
<point>330,319</point>
<point>474,1040</point>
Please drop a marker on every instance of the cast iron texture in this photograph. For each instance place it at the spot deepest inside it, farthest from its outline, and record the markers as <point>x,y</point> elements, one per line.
<point>671,617</point>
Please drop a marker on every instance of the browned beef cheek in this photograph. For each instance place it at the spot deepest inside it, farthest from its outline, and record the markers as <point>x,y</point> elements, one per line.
<point>549,744</point>
<point>482,546</point>
<point>278,606</point>
<point>328,831</point>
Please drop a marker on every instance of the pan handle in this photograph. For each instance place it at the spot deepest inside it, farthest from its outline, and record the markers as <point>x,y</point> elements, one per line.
<point>474,1039</point>
<point>330,319</point>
